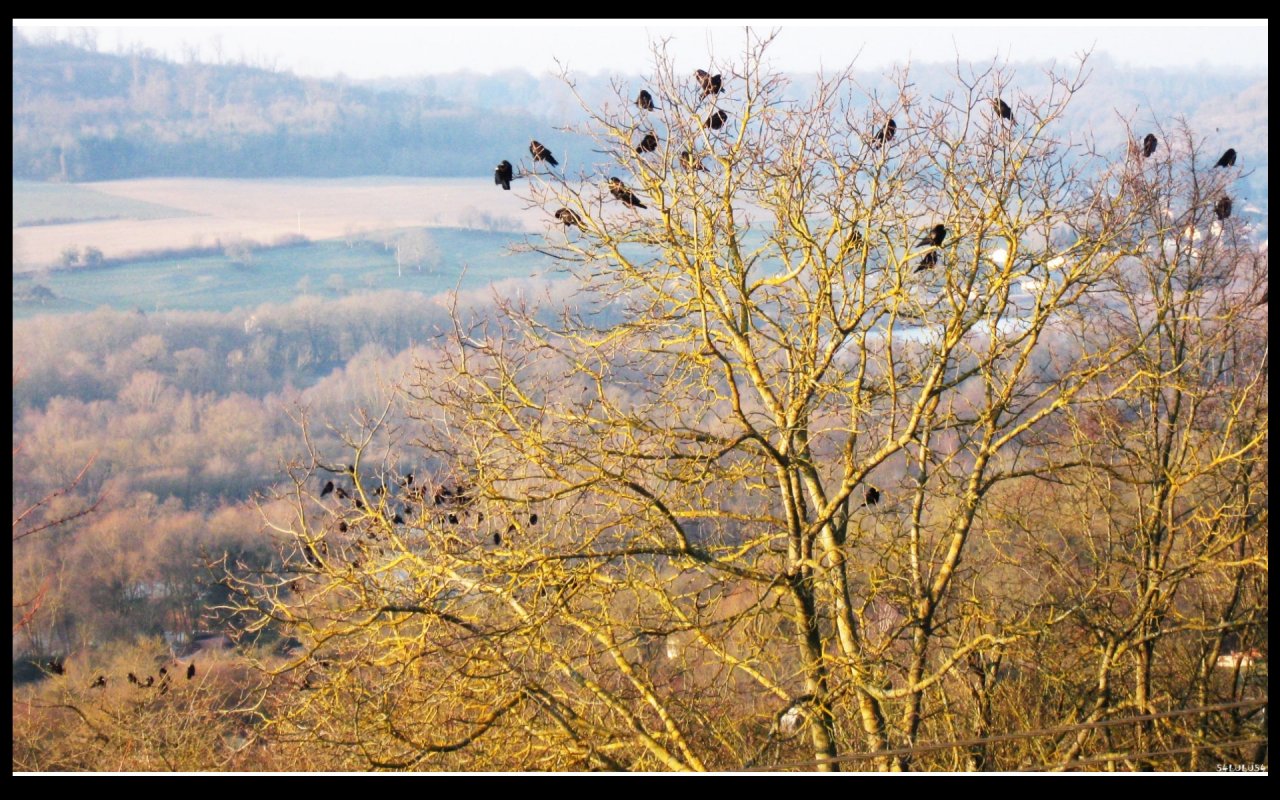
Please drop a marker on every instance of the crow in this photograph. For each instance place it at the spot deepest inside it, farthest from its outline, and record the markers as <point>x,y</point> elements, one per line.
<point>645,101</point>
<point>151,679</point>
<point>885,134</point>
<point>497,538</point>
<point>873,496</point>
<point>541,153</point>
<point>710,84</point>
<point>164,671</point>
<point>328,487</point>
<point>1149,143</point>
<point>453,519</point>
<point>99,683</point>
<point>716,121</point>
<point>132,678</point>
<point>191,671</point>
<point>342,526</point>
<point>1222,208</point>
<point>408,479</point>
<point>934,237</point>
<point>648,144</point>
<point>691,162</point>
<point>569,218</point>
<point>502,175</point>
<point>342,493</point>
<point>619,190</point>
<point>1003,108</point>
<point>533,519</point>
<point>397,519</point>
<point>56,666</point>
<point>1228,158</point>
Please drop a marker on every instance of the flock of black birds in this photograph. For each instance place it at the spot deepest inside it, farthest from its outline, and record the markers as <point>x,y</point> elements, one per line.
<point>448,503</point>
<point>1222,208</point>
<point>713,85</point>
<point>57,666</point>
<point>710,85</point>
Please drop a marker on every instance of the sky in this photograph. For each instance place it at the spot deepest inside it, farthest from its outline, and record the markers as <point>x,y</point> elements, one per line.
<point>364,49</point>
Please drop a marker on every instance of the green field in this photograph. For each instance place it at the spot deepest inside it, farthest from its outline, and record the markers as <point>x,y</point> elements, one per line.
<point>37,203</point>
<point>327,269</point>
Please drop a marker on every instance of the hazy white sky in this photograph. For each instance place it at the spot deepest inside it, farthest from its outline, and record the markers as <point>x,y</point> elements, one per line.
<point>377,48</point>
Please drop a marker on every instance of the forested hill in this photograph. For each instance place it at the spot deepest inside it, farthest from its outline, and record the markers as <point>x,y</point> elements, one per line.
<point>82,115</point>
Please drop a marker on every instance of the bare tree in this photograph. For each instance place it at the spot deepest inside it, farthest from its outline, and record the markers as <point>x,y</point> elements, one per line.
<point>766,492</point>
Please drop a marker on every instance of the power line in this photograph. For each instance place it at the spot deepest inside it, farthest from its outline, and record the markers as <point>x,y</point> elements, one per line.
<point>1131,756</point>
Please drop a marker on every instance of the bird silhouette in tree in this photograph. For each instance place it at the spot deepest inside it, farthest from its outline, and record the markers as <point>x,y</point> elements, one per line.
<point>885,134</point>
<point>503,175</point>
<point>541,153</point>
<point>619,190</point>
<point>710,84</point>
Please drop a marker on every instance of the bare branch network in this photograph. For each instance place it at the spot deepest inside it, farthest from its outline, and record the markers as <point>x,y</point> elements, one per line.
<point>877,419</point>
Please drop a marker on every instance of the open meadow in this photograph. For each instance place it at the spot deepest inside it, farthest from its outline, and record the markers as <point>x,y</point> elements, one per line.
<point>131,218</point>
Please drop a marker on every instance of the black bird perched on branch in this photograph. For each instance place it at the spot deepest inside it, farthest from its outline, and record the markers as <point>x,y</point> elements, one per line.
<point>645,101</point>
<point>933,238</point>
<point>691,162</point>
<point>503,175</point>
<point>453,519</point>
<point>151,679</point>
<point>310,554</point>
<point>711,84</point>
<point>497,538</point>
<point>873,496</point>
<point>342,526</point>
<point>1222,208</point>
<point>328,487</point>
<point>533,519</point>
<point>56,666</point>
<point>541,153</point>
<point>1228,158</point>
<point>191,670</point>
<point>885,134</point>
<point>99,683</point>
<point>619,190</point>
<point>1003,108</point>
<point>716,121</point>
<point>1149,143</point>
<point>132,678</point>
<point>569,218</point>
<point>648,144</point>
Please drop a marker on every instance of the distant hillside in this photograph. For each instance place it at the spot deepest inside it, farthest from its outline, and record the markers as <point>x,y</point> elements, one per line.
<point>80,115</point>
